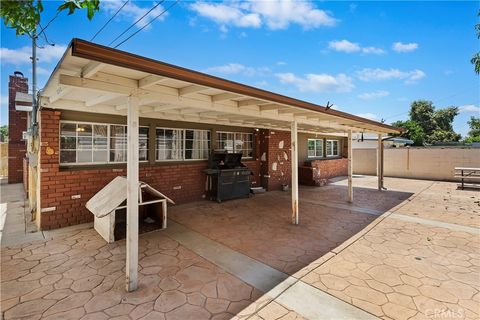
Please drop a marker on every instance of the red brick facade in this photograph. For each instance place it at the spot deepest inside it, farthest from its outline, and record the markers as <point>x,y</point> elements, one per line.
<point>64,191</point>
<point>182,183</point>
<point>276,168</point>
<point>17,124</point>
<point>317,172</point>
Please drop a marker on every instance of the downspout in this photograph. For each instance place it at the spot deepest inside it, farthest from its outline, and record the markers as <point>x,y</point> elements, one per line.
<point>33,124</point>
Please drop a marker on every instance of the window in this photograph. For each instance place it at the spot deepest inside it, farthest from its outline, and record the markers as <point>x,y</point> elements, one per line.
<point>143,143</point>
<point>236,142</point>
<point>182,144</point>
<point>197,144</point>
<point>83,143</point>
<point>332,148</point>
<point>315,148</point>
<point>169,144</point>
<point>118,143</point>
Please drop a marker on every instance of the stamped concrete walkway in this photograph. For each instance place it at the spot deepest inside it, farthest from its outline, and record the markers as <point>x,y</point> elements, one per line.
<point>395,254</point>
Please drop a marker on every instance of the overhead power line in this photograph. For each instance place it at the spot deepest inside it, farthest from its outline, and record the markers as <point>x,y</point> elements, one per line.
<point>106,23</point>
<point>133,34</point>
<point>42,30</point>
<point>138,20</point>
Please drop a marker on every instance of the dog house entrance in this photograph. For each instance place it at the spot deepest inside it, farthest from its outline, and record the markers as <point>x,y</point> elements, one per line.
<point>110,211</point>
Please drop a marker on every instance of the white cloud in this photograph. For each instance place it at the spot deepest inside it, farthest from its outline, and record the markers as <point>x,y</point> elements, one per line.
<point>404,47</point>
<point>281,63</point>
<point>275,14</point>
<point>377,74</point>
<point>224,14</point>
<point>373,95</point>
<point>351,47</point>
<point>344,46</point>
<point>22,55</point>
<point>469,108</point>
<point>318,82</point>
<point>131,12</point>
<point>237,68</point>
<point>369,115</point>
<point>372,50</point>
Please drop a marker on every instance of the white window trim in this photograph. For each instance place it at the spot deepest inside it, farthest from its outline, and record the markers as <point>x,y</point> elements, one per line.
<point>238,132</point>
<point>315,145</point>
<point>108,144</point>
<point>183,143</point>
<point>338,148</point>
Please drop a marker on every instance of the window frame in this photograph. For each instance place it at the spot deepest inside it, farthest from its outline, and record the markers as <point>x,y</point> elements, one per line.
<point>234,138</point>
<point>108,162</point>
<point>183,130</point>
<point>338,147</point>
<point>315,148</point>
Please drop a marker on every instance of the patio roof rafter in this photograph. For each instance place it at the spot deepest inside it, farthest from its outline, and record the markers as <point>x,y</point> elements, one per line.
<point>120,86</point>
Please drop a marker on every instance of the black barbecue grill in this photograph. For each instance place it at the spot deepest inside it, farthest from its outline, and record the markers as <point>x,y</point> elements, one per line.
<point>227,177</point>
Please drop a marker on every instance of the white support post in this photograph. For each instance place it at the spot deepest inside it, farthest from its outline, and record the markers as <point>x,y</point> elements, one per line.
<point>350,167</point>
<point>132,193</point>
<point>379,162</point>
<point>294,160</point>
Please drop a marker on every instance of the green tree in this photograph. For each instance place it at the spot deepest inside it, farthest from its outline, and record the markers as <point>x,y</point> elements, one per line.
<point>414,131</point>
<point>427,125</point>
<point>4,133</point>
<point>476,57</point>
<point>443,136</point>
<point>474,133</point>
<point>24,16</point>
<point>422,112</point>
<point>444,118</point>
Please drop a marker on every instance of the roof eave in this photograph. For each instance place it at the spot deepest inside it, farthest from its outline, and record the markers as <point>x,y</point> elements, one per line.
<point>88,50</point>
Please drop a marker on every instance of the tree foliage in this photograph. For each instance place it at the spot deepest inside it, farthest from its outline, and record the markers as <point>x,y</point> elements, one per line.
<point>474,133</point>
<point>24,16</point>
<point>476,57</point>
<point>414,131</point>
<point>428,125</point>
<point>4,133</point>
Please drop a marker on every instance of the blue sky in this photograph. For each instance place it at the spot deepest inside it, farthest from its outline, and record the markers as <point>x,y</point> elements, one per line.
<point>368,58</point>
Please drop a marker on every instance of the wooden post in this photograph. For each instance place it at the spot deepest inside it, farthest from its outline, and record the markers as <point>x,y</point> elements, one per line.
<point>294,161</point>
<point>350,167</point>
<point>379,162</point>
<point>132,193</point>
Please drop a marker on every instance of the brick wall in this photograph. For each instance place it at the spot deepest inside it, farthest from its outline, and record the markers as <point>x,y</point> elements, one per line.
<point>276,167</point>
<point>17,123</point>
<point>317,172</point>
<point>182,183</point>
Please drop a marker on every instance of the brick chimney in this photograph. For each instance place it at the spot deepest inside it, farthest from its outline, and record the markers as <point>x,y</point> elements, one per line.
<point>17,124</point>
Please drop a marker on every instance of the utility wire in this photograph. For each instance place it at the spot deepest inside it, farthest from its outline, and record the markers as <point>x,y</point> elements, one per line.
<point>48,23</point>
<point>165,10</point>
<point>106,23</point>
<point>138,20</point>
<point>437,100</point>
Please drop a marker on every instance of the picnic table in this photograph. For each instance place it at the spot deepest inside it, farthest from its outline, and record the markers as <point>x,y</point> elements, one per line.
<point>471,175</point>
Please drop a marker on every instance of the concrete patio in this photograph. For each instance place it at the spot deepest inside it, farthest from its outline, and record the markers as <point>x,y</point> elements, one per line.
<point>411,252</point>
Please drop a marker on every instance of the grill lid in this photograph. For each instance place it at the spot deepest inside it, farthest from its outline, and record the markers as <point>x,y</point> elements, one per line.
<point>224,160</point>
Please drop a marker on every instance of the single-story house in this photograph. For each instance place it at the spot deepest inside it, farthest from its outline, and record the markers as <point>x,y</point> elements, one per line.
<point>105,113</point>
